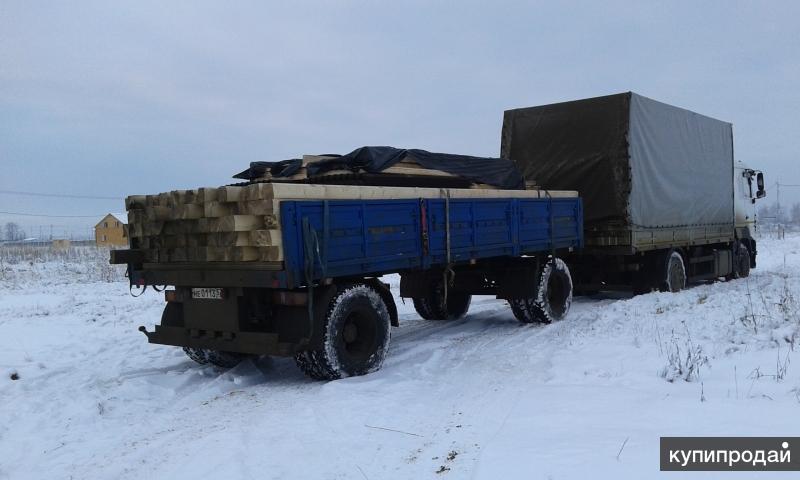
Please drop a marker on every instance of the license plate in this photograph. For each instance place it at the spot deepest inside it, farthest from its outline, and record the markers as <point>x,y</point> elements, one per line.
<point>208,293</point>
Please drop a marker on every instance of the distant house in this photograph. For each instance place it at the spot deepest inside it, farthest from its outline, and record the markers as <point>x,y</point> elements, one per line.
<point>111,232</point>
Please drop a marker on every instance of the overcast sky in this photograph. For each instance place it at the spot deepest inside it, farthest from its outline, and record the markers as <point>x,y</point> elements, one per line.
<point>115,98</point>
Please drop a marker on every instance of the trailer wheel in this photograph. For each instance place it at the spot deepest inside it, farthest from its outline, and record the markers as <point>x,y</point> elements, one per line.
<point>173,317</point>
<point>432,306</point>
<point>224,359</point>
<point>219,358</point>
<point>553,296</point>
<point>673,278</point>
<point>306,363</point>
<point>356,334</point>
<point>196,354</point>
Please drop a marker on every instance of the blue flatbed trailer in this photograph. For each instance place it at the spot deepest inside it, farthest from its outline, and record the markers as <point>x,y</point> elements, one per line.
<point>376,237</point>
<point>324,304</point>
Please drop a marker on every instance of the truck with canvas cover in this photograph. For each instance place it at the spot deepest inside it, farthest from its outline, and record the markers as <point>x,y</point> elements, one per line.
<point>664,201</point>
<point>289,263</point>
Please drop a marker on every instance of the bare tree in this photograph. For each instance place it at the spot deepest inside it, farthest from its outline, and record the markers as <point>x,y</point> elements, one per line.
<point>13,232</point>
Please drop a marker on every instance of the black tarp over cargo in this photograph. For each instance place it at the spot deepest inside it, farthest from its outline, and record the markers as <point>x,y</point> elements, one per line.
<point>637,163</point>
<point>492,171</point>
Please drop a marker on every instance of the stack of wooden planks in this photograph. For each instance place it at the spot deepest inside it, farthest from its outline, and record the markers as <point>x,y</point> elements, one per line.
<point>242,223</point>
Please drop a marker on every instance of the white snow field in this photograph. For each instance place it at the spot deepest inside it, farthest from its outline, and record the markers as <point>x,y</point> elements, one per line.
<point>484,397</point>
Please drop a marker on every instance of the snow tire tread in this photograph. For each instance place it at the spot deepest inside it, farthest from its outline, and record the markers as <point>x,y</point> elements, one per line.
<point>323,363</point>
<point>537,309</point>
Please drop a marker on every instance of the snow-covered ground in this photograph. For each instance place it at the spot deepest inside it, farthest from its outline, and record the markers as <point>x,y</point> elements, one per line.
<point>484,397</point>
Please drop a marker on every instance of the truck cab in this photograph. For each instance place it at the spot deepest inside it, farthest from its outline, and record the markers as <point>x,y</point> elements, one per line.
<point>748,187</point>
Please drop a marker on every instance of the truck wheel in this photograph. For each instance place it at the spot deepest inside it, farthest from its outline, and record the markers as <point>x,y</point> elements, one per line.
<point>741,262</point>
<point>673,273</point>
<point>553,296</point>
<point>432,306</point>
<point>356,334</point>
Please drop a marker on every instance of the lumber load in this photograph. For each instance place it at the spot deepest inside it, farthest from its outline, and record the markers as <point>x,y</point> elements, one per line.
<point>391,166</point>
<point>404,167</point>
<point>242,223</point>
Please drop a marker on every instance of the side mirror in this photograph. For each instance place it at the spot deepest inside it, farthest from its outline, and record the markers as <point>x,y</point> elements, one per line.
<point>761,192</point>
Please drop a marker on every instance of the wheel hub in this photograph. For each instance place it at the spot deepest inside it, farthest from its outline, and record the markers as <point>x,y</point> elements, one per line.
<point>350,333</point>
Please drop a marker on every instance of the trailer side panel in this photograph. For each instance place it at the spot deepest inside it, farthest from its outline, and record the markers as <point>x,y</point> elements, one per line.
<point>356,238</point>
